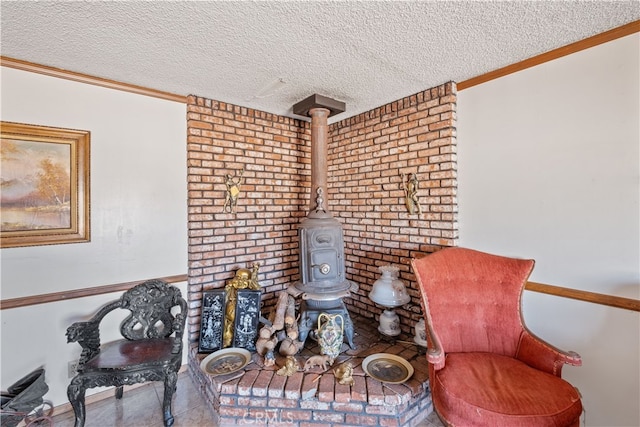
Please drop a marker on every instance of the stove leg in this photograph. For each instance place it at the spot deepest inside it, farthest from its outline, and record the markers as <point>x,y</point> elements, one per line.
<point>348,329</point>
<point>305,326</point>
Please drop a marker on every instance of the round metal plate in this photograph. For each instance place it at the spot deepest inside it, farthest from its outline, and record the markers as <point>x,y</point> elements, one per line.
<point>225,361</point>
<point>387,368</point>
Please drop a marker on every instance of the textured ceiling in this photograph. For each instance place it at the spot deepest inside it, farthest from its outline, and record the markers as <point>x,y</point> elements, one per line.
<point>363,53</point>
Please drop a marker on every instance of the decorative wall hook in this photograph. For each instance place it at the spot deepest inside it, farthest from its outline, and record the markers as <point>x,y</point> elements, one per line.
<point>233,191</point>
<point>410,187</point>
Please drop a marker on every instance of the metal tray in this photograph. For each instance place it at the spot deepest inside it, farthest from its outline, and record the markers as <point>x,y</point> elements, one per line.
<point>225,361</point>
<point>387,368</point>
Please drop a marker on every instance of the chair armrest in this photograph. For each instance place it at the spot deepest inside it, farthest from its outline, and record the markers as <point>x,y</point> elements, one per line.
<point>179,324</point>
<point>87,334</point>
<point>435,353</point>
<point>541,355</point>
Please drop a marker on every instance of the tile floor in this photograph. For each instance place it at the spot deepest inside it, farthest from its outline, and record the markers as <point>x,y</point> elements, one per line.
<point>141,407</point>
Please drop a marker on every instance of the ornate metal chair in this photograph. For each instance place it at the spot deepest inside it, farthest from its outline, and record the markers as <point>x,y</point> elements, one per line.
<point>148,352</point>
<point>485,367</point>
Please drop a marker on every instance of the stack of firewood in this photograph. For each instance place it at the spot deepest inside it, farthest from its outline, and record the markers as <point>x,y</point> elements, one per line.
<point>281,328</point>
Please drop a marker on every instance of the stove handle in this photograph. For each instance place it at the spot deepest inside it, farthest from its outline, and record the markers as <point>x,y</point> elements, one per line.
<point>324,267</point>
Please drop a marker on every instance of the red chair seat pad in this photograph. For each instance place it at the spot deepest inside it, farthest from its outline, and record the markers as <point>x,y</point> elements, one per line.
<point>486,389</point>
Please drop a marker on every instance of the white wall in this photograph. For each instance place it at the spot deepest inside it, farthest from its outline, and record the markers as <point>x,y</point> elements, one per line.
<point>138,215</point>
<point>549,169</point>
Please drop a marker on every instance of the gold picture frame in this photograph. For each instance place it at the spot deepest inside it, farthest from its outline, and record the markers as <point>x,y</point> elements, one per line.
<point>44,193</point>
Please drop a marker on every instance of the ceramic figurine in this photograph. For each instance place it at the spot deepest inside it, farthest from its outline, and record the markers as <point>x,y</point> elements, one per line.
<point>290,367</point>
<point>243,279</point>
<point>344,374</point>
<point>269,358</point>
<point>319,361</point>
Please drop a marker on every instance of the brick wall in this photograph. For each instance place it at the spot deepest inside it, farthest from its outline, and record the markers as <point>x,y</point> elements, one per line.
<point>367,154</point>
<point>274,153</point>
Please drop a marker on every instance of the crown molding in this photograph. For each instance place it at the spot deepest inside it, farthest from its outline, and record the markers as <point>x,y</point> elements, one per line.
<point>616,33</point>
<point>85,78</point>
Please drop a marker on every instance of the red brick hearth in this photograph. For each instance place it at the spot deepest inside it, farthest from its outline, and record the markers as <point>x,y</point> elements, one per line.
<point>368,156</point>
<point>258,396</point>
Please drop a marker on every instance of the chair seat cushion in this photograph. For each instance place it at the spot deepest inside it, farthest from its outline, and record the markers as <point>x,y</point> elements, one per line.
<point>122,354</point>
<point>485,389</point>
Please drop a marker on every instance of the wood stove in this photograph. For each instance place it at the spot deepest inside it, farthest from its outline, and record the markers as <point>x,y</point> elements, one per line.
<point>323,281</point>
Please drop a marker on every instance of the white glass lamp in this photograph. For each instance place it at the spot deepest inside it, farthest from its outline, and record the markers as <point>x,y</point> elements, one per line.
<point>420,337</point>
<point>389,292</point>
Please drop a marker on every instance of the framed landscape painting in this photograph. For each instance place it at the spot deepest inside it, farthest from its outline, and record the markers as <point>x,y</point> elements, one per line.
<point>44,193</point>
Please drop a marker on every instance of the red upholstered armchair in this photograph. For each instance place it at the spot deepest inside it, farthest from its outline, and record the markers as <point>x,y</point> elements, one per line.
<point>485,367</point>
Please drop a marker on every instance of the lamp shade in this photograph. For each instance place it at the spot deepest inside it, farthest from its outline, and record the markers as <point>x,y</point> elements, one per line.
<point>388,290</point>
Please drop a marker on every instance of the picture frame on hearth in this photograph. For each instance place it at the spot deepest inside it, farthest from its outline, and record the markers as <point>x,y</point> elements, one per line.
<point>245,330</point>
<point>212,321</point>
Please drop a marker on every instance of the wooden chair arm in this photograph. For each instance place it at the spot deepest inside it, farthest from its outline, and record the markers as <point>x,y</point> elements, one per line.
<point>435,353</point>
<point>178,326</point>
<point>87,334</point>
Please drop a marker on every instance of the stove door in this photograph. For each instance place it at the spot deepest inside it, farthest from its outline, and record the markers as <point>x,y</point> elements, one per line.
<point>324,265</point>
